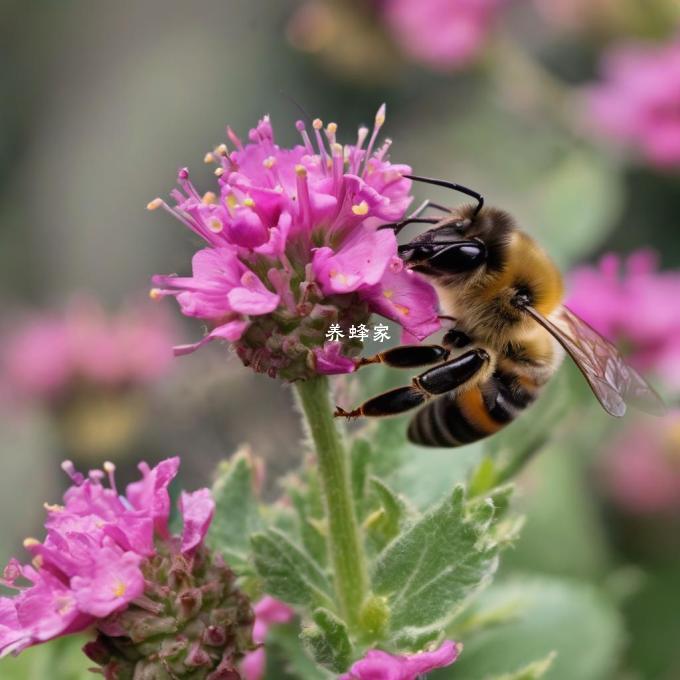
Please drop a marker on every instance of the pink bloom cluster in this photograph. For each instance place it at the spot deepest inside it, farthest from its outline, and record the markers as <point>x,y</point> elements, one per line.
<point>641,470</point>
<point>441,34</point>
<point>47,354</point>
<point>89,565</point>
<point>379,665</point>
<point>268,611</point>
<point>293,245</point>
<point>633,304</point>
<point>638,101</point>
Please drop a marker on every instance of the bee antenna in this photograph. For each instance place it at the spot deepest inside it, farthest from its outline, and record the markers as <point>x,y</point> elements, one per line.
<point>451,185</point>
<point>297,105</point>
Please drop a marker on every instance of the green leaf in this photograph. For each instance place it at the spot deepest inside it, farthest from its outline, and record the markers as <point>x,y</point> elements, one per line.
<point>312,524</point>
<point>60,659</point>
<point>573,619</point>
<point>287,659</point>
<point>483,477</point>
<point>288,572</point>
<point>428,572</point>
<point>328,641</point>
<point>385,522</point>
<point>236,512</point>
<point>532,671</point>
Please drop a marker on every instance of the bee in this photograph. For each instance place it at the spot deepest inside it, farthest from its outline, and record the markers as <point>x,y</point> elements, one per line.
<point>510,330</point>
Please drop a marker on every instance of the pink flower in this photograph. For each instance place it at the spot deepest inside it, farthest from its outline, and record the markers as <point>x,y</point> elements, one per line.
<point>47,356</point>
<point>268,611</point>
<point>633,304</point>
<point>292,246</point>
<point>92,564</point>
<point>379,665</point>
<point>442,34</point>
<point>638,101</point>
<point>641,468</point>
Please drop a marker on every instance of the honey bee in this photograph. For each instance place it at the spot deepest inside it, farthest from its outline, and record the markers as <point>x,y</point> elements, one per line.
<point>511,331</point>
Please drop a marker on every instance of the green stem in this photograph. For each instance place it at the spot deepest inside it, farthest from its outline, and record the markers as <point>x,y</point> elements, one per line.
<point>345,543</point>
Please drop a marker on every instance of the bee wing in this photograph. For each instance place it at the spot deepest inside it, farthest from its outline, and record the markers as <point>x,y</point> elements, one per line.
<point>612,380</point>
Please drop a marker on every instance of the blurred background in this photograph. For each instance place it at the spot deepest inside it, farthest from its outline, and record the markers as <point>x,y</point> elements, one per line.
<point>564,112</point>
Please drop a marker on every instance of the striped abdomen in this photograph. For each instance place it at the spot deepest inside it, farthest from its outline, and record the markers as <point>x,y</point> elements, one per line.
<point>455,419</point>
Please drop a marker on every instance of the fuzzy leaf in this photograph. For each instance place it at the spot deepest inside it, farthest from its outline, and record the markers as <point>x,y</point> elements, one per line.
<point>289,573</point>
<point>287,659</point>
<point>385,523</point>
<point>327,639</point>
<point>429,571</point>
<point>236,512</point>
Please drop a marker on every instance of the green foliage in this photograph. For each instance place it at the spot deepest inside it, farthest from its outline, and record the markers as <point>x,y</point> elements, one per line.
<point>550,615</point>
<point>236,512</point>
<point>289,572</point>
<point>61,658</point>
<point>288,659</point>
<point>429,571</point>
<point>532,671</point>
<point>328,641</point>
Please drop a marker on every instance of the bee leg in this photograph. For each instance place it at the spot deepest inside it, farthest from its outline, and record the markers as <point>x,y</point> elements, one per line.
<point>452,374</point>
<point>443,378</point>
<point>455,338</point>
<point>386,404</point>
<point>409,356</point>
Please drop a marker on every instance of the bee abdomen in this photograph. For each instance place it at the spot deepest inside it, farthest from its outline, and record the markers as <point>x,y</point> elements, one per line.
<point>456,419</point>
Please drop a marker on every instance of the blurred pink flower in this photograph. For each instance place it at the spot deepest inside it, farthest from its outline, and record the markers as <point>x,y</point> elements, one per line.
<point>638,101</point>
<point>442,34</point>
<point>379,665</point>
<point>641,468</point>
<point>293,245</point>
<point>91,564</point>
<point>268,611</point>
<point>634,305</point>
<point>46,354</point>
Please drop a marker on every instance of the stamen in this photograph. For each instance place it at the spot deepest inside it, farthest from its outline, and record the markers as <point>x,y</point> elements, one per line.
<point>222,150</point>
<point>215,225</point>
<point>209,198</point>
<point>317,124</point>
<point>304,206</point>
<point>209,157</point>
<point>110,470</point>
<point>305,137</point>
<point>69,468</point>
<point>155,204</point>
<point>155,294</point>
<point>51,507</point>
<point>234,139</point>
<point>379,121</point>
<point>360,208</point>
<point>331,129</point>
<point>30,543</point>
<point>248,202</point>
<point>219,171</point>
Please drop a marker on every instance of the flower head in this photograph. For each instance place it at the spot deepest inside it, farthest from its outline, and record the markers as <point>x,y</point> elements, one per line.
<point>638,101</point>
<point>268,611</point>
<point>49,355</point>
<point>442,34</point>
<point>379,665</point>
<point>293,245</point>
<point>108,561</point>
<point>641,468</point>
<point>633,304</point>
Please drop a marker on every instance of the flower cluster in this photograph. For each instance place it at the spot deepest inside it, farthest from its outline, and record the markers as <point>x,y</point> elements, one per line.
<point>160,603</point>
<point>48,355</point>
<point>379,665</point>
<point>441,34</point>
<point>293,245</point>
<point>639,100</point>
<point>634,305</point>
